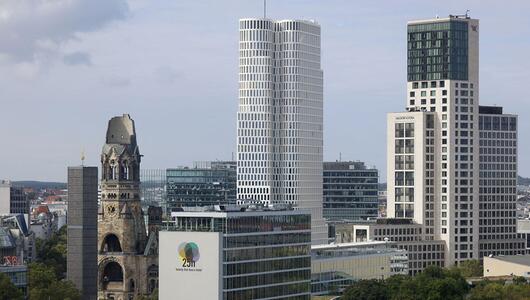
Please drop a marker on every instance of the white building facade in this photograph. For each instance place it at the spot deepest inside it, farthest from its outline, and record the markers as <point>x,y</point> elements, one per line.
<point>446,170</point>
<point>280,116</point>
<point>433,149</point>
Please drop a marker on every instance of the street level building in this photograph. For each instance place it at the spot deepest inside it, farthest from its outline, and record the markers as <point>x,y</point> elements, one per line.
<point>406,235</point>
<point>280,116</point>
<point>17,249</point>
<point>12,199</point>
<point>236,253</point>
<point>335,267</point>
<point>82,230</point>
<point>206,184</point>
<point>350,191</point>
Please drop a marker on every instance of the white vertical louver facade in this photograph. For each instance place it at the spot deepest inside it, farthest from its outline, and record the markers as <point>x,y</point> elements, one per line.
<point>280,116</point>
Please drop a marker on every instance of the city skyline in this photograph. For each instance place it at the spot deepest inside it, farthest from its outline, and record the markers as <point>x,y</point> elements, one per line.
<point>61,118</point>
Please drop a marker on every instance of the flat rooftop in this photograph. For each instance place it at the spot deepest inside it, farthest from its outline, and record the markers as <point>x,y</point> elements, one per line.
<point>350,245</point>
<point>222,211</point>
<point>516,259</point>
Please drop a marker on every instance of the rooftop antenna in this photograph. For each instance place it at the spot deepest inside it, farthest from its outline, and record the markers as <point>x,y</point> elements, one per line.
<point>264,9</point>
<point>83,158</point>
<point>340,156</point>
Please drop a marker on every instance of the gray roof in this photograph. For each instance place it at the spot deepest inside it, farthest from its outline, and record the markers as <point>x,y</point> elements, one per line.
<point>121,131</point>
<point>121,136</point>
<point>517,259</point>
<point>6,240</point>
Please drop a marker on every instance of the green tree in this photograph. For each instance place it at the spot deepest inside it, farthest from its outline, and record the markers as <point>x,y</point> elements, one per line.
<point>434,283</point>
<point>471,268</point>
<point>43,285</point>
<point>519,280</point>
<point>8,291</point>
<point>372,289</point>
<point>52,252</point>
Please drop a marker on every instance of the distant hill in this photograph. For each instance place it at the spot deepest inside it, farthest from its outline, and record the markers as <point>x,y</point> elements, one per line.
<point>523,181</point>
<point>37,185</point>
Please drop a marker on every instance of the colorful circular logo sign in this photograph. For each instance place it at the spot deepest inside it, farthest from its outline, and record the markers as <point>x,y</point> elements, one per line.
<point>189,254</point>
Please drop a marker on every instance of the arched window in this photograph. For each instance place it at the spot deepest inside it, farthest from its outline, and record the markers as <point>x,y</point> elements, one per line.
<point>131,285</point>
<point>112,276</point>
<point>114,172</point>
<point>126,171</point>
<point>152,277</point>
<point>111,244</point>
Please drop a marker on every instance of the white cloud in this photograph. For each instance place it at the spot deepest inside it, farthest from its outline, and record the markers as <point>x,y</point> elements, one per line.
<point>116,81</point>
<point>77,58</point>
<point>31,30</point>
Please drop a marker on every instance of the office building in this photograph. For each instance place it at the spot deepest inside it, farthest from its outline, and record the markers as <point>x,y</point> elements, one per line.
<point>236,254</point>
<point>152,187</point>
<point>17,249</point>
<point>452,164</point>
<point>82,230</point>
<point>350,191</point>
<point>206,184</point>
<point>335,267</point>
<point>12,199</point>
<point>433,149</point>
<point>127,256</point>
<point>498,184</point>
<point>280,116</point>
<point>406,235</point>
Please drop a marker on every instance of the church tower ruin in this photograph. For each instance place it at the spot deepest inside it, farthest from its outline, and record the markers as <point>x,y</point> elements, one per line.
<point>127,257</point>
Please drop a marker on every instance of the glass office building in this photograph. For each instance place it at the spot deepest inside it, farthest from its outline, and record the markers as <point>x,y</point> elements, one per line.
<point>153,187</point>
<point>206,184</point>
<point>335,267</point>
<point>262,254</point>
<point>438,50</point>
<point>350,191</point>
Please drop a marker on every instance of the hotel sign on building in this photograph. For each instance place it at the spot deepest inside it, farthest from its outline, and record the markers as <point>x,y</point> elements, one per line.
<point>190,265</point>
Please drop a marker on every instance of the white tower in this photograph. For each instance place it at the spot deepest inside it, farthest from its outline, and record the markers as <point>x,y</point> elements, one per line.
<point>433,150</point>
<point>280,117</point>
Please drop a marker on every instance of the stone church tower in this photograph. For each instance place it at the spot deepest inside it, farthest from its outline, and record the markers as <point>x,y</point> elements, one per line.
<point>127,257</point>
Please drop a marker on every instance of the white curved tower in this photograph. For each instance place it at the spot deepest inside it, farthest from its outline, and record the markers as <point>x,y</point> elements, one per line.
<point>280,117</point>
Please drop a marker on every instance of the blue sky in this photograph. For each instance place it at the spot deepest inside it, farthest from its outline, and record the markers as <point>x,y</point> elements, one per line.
<point>68,66</point>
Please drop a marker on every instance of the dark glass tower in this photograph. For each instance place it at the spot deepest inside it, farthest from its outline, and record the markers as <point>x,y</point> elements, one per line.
<point>438,50</point>
<point>82,256</point>
<point>350,191</point>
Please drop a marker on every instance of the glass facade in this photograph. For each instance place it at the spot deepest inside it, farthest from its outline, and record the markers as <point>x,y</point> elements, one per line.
<point>336,267</point>
<point>404,170</point>
<point>18,276</point>
<point>498,230</point>
<point>191,187</point>
<point>438,50</point>
<point>265,254</point>
<point>350,191</point>
<point>153,187</point>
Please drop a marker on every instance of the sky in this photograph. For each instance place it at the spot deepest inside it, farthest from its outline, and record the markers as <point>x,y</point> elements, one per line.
<point>68,66</point>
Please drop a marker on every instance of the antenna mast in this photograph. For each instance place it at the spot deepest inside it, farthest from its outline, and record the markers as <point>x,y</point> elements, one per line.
<point>264,9</point>
<point>83,158</point>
